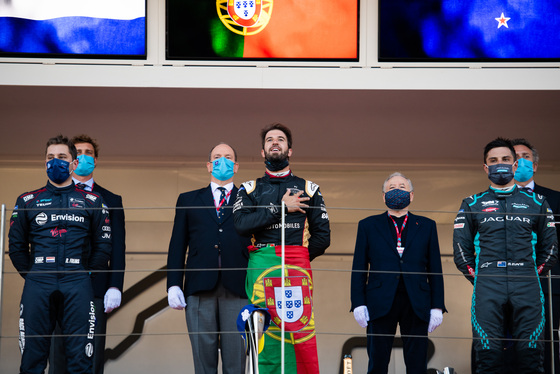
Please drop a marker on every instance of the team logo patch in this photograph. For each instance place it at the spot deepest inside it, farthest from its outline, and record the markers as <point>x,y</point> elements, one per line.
<point>295,304</point>
<point>77,203</point>
<point>493,209</point>
<point>41,218</point>
<point>458,225</point>
<point>244,17</point>
<point>89,349</point>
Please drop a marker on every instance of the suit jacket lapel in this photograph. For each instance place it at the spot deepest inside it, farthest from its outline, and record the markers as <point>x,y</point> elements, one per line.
<point>228,212</point>
<point>207,199</point>
<point>411,230</point>
<point>384,227</point>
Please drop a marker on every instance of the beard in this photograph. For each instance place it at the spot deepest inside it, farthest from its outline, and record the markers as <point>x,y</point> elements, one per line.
<point>277,157</point>
<point>276,161</point>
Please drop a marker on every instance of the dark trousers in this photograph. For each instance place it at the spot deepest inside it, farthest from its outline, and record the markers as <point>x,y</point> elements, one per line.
<point>57,357</point>
<point>67,301</point>
<point>555,324</point>
<point>415,349</point>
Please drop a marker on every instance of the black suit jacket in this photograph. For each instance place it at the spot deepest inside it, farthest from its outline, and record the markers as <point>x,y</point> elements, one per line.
<point>200,230</point>
<point>553,199</point>
<point>104,280</point>
<point>376,251</point>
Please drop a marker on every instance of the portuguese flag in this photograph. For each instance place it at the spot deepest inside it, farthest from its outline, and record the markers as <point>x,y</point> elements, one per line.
<point>262,29</point>
<point>264,288</point>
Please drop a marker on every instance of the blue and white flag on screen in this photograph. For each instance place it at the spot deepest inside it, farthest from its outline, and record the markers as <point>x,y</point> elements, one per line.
<point>92,27</point>
<point>494,29</point>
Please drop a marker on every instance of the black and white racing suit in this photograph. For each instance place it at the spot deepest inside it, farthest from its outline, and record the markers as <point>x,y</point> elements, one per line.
<point>502,241</point>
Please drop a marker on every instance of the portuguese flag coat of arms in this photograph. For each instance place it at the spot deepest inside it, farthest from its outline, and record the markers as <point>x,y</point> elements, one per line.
<point>262,29</point>
<point>264,288</point>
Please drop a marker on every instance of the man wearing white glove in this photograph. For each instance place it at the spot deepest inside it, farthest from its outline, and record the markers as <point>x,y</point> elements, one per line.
<point>107,286</point>
<point>397,279</point>
<point>210,284</point>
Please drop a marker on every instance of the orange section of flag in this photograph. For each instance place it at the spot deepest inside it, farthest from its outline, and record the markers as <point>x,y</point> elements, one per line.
<point>307,29</point>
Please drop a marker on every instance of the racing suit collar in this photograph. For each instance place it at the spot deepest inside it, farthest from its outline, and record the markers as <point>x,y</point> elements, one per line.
<point>54,189</point>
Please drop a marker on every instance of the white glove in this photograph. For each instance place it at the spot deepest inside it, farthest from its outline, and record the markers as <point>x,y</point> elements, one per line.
<point>361,315</point>
<point>112,299</point>
<point>176,298</point>
<point>436,317</point>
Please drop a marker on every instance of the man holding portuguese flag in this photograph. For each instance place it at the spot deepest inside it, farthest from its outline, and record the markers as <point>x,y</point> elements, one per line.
<point>257,212</point>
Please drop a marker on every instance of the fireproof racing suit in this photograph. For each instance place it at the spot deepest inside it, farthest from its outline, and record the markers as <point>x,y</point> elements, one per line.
<point>56,236</point>
<point>257,212</point>
<point>502,241</point>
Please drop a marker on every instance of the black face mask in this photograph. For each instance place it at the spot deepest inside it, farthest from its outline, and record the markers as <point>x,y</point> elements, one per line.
<point>500,174</point>
<point>276,165</point>
<point>277,162</point>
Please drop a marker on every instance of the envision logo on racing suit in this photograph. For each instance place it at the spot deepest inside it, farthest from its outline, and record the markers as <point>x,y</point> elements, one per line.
<point>91,320</point>
<point>67,217</point>
<point>507,218</point>
<point>41,218</point>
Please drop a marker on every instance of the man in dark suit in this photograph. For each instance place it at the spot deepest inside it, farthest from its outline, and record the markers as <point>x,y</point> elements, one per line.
<point>397,279</point>
<point>528,160</point>
<point>107,286</point>
<point>214,284</point>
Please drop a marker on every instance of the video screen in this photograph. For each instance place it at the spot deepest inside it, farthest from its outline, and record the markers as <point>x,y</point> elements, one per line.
<point>73,28</point>
<point>477,30</point>
<point>262,30</point>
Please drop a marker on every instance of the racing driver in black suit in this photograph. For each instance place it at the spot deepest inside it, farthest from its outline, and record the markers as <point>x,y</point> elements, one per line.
<point>58,233</point>
<point>257,212</point>
<point>503,239</point>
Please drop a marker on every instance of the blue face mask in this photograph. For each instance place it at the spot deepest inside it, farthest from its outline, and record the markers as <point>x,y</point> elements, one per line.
<point>524,170</point>
<point>86,164</point>
<point>58,170</point>
<point>397,199</point>
<point>222,169</point>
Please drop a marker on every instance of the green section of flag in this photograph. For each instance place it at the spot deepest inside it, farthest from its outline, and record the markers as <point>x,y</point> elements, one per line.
<point>261,261</point>
<point>224,42</point>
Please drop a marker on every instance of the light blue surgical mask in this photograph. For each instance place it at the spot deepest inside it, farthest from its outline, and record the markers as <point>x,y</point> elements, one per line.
<point>524,170</point>
<point>86,164</point>
<point>222,169</point>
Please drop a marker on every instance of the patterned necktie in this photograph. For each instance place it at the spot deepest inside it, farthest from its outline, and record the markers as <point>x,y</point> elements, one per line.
<point>81,186</point>
<point>221,203</point>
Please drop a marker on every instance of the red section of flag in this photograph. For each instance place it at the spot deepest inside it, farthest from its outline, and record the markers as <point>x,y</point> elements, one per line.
<point>307,29</point>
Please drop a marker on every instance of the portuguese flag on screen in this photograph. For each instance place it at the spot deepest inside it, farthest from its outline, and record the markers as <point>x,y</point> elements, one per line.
<point>262,29</point>
<point>264,288</point>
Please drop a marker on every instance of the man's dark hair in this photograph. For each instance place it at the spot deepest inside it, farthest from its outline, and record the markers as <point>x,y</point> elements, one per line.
<point>497,143</point>
<point>59,139</point>
<point>234,151</point>
<point>525,142</point>
<point>277,126</point>
<point>83,138</point>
